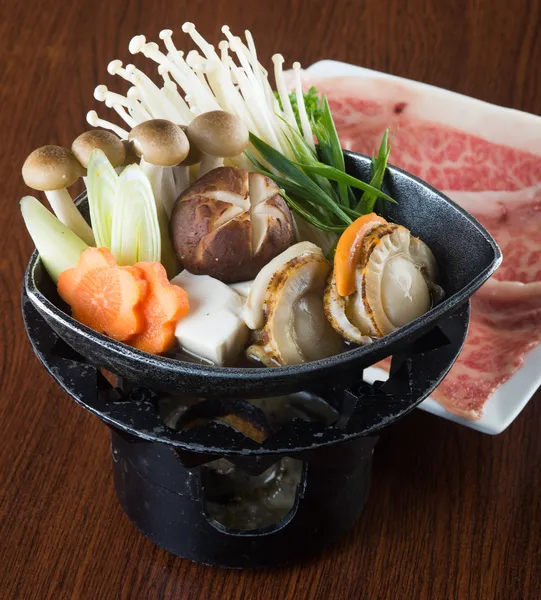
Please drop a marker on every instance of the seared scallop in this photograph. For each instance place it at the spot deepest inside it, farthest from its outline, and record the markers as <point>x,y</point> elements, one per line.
<point>294,328</point>
<point>395,283</point>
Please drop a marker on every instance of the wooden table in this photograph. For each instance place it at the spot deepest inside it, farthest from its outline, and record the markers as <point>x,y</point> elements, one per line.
<point>452,514</point>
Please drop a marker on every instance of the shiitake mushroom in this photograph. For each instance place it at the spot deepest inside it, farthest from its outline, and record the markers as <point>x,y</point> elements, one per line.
<point>229,224</point>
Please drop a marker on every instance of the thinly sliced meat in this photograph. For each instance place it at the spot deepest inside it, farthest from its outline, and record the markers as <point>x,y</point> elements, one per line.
<point>488,359</point>
<point>514,220</point>
<point>452,141</point>
<point>505,326</point>
<point>488,159</point>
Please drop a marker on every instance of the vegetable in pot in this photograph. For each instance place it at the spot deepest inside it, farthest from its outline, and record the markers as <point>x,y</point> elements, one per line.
<point>52,169</point>
<point>58,247</point>
<point>136,232</point>
<point>229,224</point>
<point>136,304</point>
<point>99,139</point>
<point>161,145</point>
<point>103,296</point>
<point>218,134</point>
<point>102,184</point>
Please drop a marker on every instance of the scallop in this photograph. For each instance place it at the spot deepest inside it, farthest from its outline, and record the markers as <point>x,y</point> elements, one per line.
<point>295,327</point>
<point>395,284</point>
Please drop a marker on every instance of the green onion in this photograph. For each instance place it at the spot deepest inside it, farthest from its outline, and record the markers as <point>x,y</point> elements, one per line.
<point>378,167</point>
<point>334,148</point>
<point>283,165</point>
<point>316,186</point>
<point>136,232</point>
<point>307,216</point>
<point>311,102</point>
<point>102,188</point>
<point>58,247</point>
<point>339,176</point>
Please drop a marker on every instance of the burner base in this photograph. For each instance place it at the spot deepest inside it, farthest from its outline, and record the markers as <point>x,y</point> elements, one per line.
<point>167,503</point>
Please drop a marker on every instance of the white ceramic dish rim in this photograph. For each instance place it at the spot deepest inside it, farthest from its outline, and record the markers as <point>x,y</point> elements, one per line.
<point>509,399</point>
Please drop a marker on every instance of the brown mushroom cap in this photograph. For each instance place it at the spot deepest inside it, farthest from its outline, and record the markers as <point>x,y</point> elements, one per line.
<point>131,156</point>
<point>100,139</point>
<point>194,155</point>
<point>229,224</point>
<point>160,142</point>
<point>51,168</point>
<point>219,133</point>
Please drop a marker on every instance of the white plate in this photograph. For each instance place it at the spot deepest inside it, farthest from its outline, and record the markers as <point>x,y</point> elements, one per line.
<point>507,402</point>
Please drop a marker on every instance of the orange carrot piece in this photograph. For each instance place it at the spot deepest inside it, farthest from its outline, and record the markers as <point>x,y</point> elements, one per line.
<point>103,296</point>
<point>110,301</point>
<point>91,258</point>
<point>163,307</point>
<point>348,251</point>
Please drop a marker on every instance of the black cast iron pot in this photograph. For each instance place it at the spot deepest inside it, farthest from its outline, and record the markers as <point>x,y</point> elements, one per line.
<point>166,473</point>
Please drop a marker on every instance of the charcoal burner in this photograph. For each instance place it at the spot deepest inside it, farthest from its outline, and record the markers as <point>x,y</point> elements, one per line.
<point>210,474</point>
<point>202,478</point>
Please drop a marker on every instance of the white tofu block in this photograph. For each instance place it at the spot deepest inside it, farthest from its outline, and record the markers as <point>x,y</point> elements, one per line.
<point>213,328</point>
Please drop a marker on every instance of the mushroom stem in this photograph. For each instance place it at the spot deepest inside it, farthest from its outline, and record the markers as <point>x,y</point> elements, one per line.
<point>123,114</point>
<point>208,163</point>
<point>306,129</point>
<point>186,115</point>
<point>159,106</point>
<point>68,214</point>
<point>278,61</point>
<point>135,107</point>
<point>115,68</point>
<point>181,176</point>
<point>93,119</point>
<point>180,70</point>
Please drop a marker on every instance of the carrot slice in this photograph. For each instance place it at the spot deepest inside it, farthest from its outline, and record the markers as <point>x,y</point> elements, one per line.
<point>136,305</point>
<point>91,258</point>
<point>348,251</point>
<point>103,296</point>
<point>163,307</point>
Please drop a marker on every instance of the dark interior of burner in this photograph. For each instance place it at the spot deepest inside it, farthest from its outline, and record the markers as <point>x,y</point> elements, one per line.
<point>241,501</point>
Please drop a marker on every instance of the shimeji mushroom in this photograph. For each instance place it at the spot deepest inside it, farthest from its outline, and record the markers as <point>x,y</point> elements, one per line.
<point>131,156</point>
<point>218,134</point>
<point>52,169</point>
<point>99,139</point>
<point>162,145</point>
<point>93,119</point>
<point>181,172</point>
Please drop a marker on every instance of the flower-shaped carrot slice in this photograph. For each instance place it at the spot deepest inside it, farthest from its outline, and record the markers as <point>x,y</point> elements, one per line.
<point>103,296</point>
<point>162,308</point>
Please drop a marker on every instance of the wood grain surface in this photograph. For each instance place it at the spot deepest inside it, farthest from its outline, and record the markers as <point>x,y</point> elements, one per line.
<point>452,514</point>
